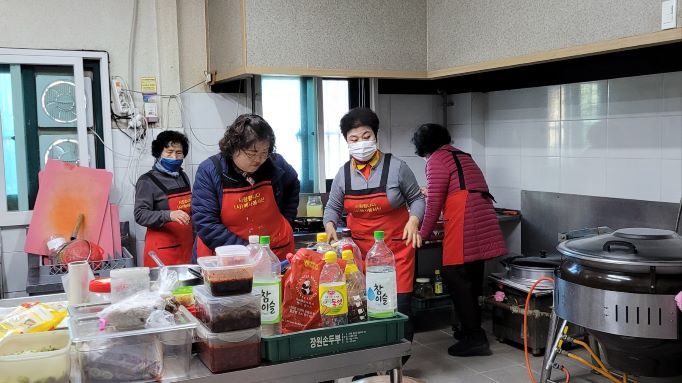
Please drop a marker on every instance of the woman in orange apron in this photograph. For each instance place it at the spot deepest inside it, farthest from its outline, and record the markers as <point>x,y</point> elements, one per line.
<point>162,202</point>
<point>245,190</point>
<point>376,190</point>
<point>457,187</point>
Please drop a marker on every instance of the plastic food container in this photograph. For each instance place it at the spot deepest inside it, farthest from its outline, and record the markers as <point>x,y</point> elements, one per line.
<point>128,281</point>
<point>21,358</point>
<point>222,314</point>
<point>224,280</point>
<point>184,295</point>
<point>229,351</point>
<point>100,290</point>
<point>127,356</point>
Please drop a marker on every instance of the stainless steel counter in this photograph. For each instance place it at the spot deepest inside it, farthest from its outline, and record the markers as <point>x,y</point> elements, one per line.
<point>317,369</point>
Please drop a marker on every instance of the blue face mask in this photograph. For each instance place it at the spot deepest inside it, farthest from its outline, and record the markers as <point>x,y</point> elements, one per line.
<point>170,164</point>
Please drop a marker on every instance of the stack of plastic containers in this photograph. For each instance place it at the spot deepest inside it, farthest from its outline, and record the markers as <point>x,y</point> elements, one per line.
<point>229,337</point>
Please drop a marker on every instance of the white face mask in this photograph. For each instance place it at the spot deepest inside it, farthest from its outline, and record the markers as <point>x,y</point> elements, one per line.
<point>362,150</point>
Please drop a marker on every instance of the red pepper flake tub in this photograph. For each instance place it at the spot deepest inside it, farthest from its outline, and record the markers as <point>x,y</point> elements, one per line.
<point>223,279</point>
<point>229,351</point>
<point>223,314</point>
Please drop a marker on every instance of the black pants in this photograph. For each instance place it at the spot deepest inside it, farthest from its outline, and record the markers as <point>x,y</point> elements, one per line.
<point>465,285</point>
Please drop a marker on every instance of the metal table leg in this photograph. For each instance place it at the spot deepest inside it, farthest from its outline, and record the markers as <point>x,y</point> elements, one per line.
<point>553,339</point>
<point>397,375</point>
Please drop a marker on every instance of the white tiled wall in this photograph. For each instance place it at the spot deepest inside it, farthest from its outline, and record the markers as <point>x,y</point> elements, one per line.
<point>399,116</point>
<point>615,138</point>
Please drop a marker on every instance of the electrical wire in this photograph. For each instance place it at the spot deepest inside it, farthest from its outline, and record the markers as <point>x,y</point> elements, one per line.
<point>525,326</point>
<point>568,375</point>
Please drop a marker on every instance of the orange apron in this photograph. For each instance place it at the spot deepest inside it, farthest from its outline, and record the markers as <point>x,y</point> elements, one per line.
<point>369,210</point>
<point>172,242</point>
<point>253,210</point>
<point>453,216</point>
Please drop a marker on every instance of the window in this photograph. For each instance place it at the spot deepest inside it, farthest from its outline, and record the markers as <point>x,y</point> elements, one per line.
<point>335,104</point>
<point>41,118</point>
<point>289,107</point>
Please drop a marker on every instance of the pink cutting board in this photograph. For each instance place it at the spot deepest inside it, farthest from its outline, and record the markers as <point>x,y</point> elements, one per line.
<point>66,190</point>
<point>116,230</point>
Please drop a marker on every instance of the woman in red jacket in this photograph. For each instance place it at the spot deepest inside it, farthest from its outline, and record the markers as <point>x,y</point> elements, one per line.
<point>456,186</point>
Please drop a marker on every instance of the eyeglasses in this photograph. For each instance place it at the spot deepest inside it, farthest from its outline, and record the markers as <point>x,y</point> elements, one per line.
<point>256,155</point>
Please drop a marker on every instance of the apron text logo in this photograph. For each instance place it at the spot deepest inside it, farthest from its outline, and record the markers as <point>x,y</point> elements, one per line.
<point>248,201</point>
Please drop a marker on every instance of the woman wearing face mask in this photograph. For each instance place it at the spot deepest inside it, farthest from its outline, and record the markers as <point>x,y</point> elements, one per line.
<point>245,190</point>
<point>162,202</point>
<point>385,182</point>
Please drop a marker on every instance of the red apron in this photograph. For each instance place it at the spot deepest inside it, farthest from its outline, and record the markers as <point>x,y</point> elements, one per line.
<point>252,210</point>
<point>453,215</point>
<point>172,242</point>
<point>369,210</point>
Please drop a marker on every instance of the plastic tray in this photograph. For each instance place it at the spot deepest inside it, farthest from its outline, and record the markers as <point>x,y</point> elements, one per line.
<point>99,268</point>
<point>332,340</point>
<point>125,356</point>
<point>442,301</point>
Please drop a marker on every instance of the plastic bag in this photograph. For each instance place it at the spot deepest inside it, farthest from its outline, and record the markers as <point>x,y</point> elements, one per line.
<point>160,318</point>
<point>32,317</point>
<point>138,358</point>
<point>301,306</point>
<point>167,281</point>
<point>132,313</point>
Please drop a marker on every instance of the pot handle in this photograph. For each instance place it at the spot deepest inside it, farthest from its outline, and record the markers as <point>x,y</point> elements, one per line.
<point>630,246</point>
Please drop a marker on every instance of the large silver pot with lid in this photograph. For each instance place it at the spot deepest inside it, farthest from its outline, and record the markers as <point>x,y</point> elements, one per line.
<point>621,288</point>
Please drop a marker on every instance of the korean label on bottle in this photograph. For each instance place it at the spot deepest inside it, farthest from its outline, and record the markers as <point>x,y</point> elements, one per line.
<point>333,299</point>
<point>381,294</point>
<point>270,302</point>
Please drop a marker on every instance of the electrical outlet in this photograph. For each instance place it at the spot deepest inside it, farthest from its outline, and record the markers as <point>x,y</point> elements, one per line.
<point>668,14</point>
<point>120,98</point>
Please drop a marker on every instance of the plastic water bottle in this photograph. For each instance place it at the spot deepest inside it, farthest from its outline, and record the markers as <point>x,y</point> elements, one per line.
<point>333,293</point>
<point>253,247</point>
<point>355,285</point>
<point>267,281</point>
<point>382,296</point>
<point>322,246</point>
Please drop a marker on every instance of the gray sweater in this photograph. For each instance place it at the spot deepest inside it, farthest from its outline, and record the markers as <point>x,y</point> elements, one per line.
<point>401,188</point>
<point>151,204</point>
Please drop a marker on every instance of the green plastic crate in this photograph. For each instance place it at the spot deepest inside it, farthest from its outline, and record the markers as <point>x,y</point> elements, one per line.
<point>332,340</point>
<point>433,303</point>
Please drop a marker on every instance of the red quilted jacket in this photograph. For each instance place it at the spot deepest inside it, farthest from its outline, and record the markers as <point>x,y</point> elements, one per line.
<point>482,235</point>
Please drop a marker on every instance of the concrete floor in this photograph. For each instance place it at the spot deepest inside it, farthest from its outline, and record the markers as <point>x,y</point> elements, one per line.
<point>431,363</point>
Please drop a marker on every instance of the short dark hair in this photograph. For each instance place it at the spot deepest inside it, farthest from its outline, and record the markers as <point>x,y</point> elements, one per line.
<point>244,132</point>
<point>358,117</point>
<point>165,139</point>
<point>429,137</point>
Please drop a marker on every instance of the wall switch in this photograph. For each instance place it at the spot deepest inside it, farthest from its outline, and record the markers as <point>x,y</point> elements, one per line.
<point>668,14</point>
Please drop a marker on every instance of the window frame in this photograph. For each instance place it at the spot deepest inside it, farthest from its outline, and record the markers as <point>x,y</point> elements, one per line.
<point>75,59</point>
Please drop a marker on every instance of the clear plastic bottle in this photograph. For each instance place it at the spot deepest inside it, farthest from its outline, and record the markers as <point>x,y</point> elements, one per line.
<point>268,283</point>
<point>355,285</point>
<point>333,293</point>
<point>254,247</point>
<point>438,283</point>
<point>382,296</point>
<point>322,246</point>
